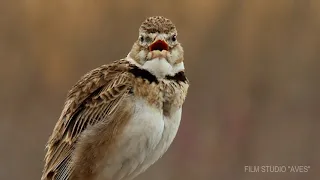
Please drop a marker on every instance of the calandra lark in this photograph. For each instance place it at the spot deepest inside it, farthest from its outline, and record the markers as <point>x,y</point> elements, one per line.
<point>120,118</point>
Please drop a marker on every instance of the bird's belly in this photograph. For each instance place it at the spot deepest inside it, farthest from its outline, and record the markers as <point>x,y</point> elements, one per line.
<point>145,139</point>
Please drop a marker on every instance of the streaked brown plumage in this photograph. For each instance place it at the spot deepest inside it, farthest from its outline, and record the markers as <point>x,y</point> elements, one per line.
<point>90,138</point>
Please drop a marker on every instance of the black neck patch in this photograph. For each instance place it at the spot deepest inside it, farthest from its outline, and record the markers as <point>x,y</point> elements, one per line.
<point>178,77</point>
<point>144,74</point>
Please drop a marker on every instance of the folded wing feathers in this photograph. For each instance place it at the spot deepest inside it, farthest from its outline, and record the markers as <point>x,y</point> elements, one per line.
<point>94,97</point>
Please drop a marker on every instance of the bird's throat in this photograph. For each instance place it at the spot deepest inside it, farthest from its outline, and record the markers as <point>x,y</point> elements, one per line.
<point>159,67</point>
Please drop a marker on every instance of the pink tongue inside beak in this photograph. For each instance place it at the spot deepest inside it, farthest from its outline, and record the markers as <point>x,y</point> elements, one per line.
<point>159,45</point>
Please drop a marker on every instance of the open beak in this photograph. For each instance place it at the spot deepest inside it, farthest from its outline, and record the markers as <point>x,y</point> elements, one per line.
<point>159,45</point>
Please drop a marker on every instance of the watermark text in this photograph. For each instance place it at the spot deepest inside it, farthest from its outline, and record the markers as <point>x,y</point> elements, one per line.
<point>276,169</point>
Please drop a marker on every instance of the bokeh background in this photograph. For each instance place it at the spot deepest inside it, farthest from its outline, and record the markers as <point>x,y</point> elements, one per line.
<point>253,66</point>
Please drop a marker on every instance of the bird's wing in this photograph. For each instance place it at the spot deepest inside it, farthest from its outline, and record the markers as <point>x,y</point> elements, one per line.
<point>94,97</point>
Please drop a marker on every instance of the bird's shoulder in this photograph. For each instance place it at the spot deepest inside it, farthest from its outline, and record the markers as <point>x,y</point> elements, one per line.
<point>99,85</point>
<point>113,74</point>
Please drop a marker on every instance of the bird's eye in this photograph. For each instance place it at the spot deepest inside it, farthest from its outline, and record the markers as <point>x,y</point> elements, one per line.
<point>174,38</point>
<point>141,38</point>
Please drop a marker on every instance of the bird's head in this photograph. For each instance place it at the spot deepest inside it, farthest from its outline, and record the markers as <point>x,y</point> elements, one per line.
<point>157,48</point>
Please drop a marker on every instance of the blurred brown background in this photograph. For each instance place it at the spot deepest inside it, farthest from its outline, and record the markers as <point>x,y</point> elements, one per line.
<point>253,65</point>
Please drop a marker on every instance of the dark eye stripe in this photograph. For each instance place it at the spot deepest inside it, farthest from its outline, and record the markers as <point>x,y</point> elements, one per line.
<point>148,39</point>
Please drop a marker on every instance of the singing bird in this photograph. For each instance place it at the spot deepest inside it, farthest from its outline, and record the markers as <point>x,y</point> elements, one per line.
<point>120,118</point>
